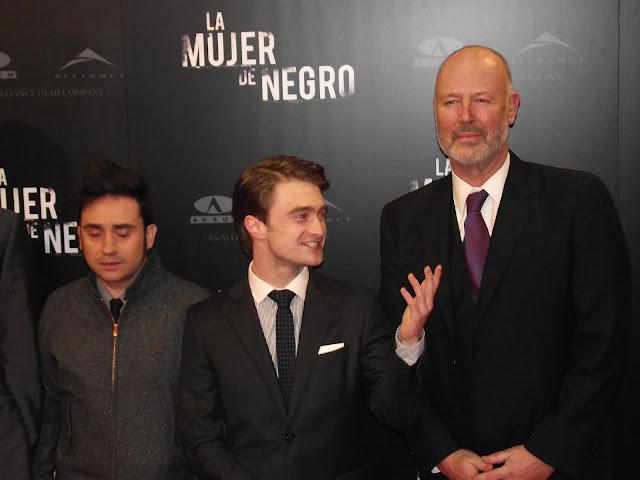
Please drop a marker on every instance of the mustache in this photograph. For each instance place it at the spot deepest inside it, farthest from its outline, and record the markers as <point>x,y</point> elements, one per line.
<point>469,129</point>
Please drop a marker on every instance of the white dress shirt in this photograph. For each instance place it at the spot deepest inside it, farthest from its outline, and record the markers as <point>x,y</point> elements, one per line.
<point>493,186</point>
<point>267,309</point>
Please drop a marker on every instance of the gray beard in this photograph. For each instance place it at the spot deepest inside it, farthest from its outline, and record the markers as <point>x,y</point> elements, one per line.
<point>480,155</point>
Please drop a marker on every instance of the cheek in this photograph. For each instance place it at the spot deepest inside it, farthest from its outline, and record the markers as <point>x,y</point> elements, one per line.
<point>446,123</point>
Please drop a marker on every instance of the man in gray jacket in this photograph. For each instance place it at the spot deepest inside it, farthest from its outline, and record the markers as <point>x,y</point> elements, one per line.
<point>110,344</point>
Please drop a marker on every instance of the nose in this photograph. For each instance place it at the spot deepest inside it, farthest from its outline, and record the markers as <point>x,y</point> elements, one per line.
<point>318,226</point>
<point>466,113</point>
<point>108,245</point>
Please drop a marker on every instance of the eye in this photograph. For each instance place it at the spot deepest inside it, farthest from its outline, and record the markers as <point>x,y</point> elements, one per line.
<point>450,101</point>
<point>123,232</point>
<point>482,100</point>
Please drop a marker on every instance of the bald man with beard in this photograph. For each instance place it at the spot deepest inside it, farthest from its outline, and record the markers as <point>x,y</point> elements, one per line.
<point>524,347</point>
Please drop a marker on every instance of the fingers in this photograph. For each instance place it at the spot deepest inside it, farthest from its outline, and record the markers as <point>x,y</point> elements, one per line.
<point>480,464</point>
<point>423,292</point>
<point>416,288</point>
<point>437,274</point>
<point>495,474</point>
<point>497,457</point>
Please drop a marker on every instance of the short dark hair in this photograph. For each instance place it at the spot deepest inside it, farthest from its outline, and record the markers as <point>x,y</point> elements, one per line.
<point>254,188</point>
<point>104,177</point>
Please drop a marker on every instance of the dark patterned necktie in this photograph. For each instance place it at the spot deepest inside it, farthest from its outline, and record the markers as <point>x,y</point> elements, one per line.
<point>476,238</point>
<point>115,305</point>
<point>285,342</point>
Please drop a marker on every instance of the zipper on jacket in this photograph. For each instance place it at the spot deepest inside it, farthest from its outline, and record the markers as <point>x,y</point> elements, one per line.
<point>114,351</point>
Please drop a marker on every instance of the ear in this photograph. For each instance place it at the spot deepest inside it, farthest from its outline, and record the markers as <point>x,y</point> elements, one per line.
<point>255,227</point>
<point>150,235</point>
<point>514,105</point>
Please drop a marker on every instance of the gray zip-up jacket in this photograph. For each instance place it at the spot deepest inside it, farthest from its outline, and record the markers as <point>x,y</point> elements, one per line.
<point>109,399</point>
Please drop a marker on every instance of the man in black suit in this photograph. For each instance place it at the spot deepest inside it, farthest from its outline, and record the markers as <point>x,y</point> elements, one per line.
<point>19,377</point>
<point>275,372</point>
<point>525,342</point>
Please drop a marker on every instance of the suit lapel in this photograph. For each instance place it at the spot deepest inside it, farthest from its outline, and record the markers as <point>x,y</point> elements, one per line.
<point>316,318</point>
<point>435,231</point>
<point>516,208</point>
<point>243,318</point>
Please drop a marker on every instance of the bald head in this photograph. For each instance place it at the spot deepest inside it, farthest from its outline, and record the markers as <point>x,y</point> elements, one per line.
<point>474,106</point>
<point>477,54</point>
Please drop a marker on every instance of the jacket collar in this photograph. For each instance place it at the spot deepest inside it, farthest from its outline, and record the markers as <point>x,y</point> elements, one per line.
<point>150,273</point>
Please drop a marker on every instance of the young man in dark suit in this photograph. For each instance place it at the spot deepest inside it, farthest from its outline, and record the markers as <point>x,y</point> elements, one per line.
<point>525,342</point>
<point>20,394</point>
<point>274,373</point>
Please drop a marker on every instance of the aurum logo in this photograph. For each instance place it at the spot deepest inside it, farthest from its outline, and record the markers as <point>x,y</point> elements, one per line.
<point>217,209</point>
<point>435,50</point>
<point>5,60</point>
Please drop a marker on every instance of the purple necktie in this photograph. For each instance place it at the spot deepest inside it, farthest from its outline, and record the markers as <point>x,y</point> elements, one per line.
<point>476,238</point>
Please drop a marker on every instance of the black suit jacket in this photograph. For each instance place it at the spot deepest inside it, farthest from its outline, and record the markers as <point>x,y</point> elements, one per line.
<point>231,419</point>
<point>547,347</point>
<point>19,377</point>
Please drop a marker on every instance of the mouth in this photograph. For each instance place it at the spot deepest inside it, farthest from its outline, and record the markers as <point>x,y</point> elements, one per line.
<point>314,244</point>
<point>109,265</point>
<point>468,136</point>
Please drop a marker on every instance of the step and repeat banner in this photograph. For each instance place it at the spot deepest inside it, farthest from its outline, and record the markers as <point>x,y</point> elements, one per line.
<point>190,92</point>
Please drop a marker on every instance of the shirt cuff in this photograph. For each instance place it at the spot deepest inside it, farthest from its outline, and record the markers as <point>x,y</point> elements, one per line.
<point>409,354</point>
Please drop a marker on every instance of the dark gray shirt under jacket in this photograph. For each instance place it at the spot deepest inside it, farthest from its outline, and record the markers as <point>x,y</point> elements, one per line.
<point>109,402</point>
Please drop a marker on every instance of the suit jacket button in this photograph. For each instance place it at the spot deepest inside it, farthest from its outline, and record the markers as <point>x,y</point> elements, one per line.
<point>288,437</point>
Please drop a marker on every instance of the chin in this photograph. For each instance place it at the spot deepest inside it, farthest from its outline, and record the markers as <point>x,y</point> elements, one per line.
<point>315,261</point>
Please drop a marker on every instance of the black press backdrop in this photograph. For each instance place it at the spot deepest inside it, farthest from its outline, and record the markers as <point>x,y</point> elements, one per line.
<point>190,92</point>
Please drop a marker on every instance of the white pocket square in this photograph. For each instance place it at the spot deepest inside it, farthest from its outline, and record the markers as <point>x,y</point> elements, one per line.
<point>330,348</point>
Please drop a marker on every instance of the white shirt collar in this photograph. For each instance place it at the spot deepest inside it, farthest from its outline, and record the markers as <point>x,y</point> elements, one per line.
<point>494,186</point>
<point>260,289</point>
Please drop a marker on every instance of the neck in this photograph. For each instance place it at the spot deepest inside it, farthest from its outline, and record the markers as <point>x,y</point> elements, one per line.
<point>278,276</point>
<point>116,291</point>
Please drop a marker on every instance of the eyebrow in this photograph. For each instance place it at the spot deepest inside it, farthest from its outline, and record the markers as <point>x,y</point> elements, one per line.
<point>99,226</point>
<point>306,209</point>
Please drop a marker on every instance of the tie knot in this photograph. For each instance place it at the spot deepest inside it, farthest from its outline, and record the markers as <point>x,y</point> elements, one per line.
<point>475,201</point>
<point>282,297</point>
<point>115,304</point>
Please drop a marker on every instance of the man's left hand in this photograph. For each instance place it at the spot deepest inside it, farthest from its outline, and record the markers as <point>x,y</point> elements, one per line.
<point>518,464</point>
<point>419,307</point>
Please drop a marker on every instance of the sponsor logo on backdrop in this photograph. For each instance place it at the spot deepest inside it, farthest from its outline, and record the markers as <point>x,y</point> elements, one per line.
<point>216,209</point>
<point>88,65</point>
<point>546,58</point>
<point>442,169</point>
<point>50,92</point>
<point>5,73</point>
<point>253,54</point>
<point>335,214</point>
<point>87,55</point>
<point>37,204</point>
<point>435,50</point>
